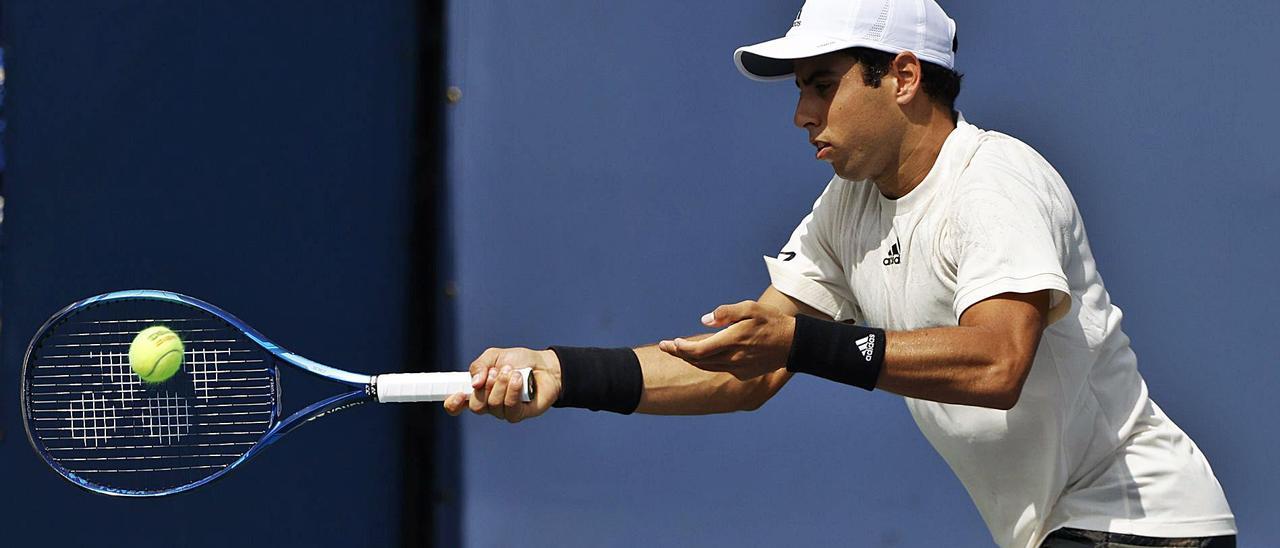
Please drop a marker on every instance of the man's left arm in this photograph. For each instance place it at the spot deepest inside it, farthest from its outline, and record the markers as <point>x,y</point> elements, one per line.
<point>983,361</point>
<point>1007,238</point>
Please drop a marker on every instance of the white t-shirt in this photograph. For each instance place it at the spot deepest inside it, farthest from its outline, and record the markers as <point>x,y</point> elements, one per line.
<point>1084,447</point>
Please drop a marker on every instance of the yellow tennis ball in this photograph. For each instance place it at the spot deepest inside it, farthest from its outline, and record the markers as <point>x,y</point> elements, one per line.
<point>155,354</point>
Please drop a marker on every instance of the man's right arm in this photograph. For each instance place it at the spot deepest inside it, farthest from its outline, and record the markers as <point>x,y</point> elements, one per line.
<point>671,385</point>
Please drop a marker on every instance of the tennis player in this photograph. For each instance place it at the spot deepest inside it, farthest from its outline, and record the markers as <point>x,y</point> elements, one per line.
<point>962,257</point>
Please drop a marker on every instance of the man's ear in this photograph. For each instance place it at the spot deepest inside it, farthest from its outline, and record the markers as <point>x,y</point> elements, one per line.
<point>905,69</point>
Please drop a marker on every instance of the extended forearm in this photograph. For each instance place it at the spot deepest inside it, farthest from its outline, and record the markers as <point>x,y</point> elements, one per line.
<point>674,387</point>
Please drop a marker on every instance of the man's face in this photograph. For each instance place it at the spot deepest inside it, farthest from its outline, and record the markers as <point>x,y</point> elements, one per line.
<point>855,127</point>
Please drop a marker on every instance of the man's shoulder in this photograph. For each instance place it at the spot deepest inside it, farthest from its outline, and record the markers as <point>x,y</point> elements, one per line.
<point>1003,163</point>
<point>1007,177</point>
<point>1001,150</point>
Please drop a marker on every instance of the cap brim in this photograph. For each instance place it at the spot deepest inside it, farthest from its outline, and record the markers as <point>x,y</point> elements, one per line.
<point>772,60</point>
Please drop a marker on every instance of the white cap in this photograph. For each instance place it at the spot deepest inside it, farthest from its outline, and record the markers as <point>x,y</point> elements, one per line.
<point>824,26</point>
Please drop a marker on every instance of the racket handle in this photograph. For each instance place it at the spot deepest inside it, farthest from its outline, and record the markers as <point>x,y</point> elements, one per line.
<point>411,387</point>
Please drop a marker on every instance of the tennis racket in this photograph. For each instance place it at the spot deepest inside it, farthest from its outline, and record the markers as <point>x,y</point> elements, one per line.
<point>104,429</point>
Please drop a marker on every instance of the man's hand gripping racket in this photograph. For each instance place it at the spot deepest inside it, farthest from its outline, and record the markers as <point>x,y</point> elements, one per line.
<point>497,384</point>
<point>101,426</point>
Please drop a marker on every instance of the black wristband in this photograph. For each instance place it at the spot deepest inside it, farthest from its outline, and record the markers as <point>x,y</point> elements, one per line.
<point>845,353</point>
<point>599,379</point>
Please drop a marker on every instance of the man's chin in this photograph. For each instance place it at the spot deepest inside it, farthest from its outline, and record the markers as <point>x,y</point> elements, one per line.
<point>848,172</point>
<point>844,173</point>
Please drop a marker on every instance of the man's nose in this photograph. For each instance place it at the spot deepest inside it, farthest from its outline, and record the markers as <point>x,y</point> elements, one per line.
<point>806,115</point>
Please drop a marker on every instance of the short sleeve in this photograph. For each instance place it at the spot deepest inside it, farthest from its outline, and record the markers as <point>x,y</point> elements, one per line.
<point>808,268</point>
<point>1007,238</point>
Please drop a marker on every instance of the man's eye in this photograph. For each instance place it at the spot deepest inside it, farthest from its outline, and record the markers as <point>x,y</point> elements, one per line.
<point>820,88</point>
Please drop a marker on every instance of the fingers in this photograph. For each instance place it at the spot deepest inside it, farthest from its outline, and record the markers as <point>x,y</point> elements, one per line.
<point>504,391</point>
<point>703,353</point>
<point>498,393</point>
<point>515,386</point>
<point>699,350</point>
<point>497,386</point>
<point>486,360</point>
<point>504,397</point>
<point>479,400</point>
<point>728,314</point>
<point>481,370</point>
<point>455,403</point>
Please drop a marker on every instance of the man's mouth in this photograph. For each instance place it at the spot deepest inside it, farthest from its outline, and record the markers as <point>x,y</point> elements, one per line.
<point>824,149</point>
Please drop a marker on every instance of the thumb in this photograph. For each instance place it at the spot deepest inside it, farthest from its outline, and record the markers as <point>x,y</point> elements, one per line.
<point>728,314</point>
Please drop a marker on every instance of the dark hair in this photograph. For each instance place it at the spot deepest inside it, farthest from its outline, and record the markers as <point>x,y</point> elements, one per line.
<point>940,83</point>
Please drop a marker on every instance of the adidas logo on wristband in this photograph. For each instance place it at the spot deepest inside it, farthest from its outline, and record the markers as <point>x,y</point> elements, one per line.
<point>867,345</point>
<point>821,348</point>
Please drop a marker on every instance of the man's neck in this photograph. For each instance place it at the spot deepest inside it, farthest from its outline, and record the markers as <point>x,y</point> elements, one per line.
<point>921,145</point>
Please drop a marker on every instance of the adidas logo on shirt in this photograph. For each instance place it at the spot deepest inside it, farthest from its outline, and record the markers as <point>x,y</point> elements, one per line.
<point>867,345</point>
<point>894,257</point>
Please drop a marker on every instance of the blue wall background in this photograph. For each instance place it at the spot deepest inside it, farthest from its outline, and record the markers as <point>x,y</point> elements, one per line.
<point>256,155</point>
<point>613,178</point>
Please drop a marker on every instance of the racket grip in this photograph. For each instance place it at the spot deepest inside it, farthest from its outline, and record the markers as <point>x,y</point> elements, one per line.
<point>411,387</point>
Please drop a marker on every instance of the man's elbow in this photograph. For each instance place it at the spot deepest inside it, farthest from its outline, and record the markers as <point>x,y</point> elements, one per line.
<point>1005,400</point>
<point>1006,381</point>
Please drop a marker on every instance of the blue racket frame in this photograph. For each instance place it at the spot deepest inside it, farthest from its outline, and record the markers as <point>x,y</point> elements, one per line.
<point>364,389</point>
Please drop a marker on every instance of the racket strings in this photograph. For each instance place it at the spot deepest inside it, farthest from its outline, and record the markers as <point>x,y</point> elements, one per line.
<point>92,416</point>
